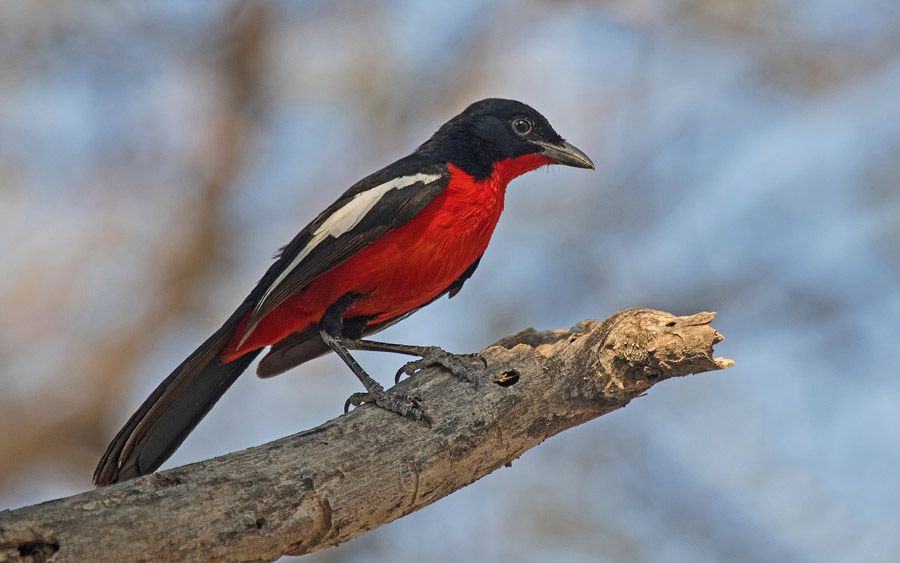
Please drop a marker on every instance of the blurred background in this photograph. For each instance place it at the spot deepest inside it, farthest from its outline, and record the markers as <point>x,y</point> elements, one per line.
<point>154,155</point>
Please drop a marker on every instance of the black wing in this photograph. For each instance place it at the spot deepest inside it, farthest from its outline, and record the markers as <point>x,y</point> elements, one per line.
<point>387,199</point>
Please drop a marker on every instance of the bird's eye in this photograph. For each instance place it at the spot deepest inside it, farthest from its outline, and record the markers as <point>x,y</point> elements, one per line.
<point>522,126</point>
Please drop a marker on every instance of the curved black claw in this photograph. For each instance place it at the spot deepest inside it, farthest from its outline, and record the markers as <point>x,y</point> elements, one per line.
<point>457,364</point>
<point>403,404</point>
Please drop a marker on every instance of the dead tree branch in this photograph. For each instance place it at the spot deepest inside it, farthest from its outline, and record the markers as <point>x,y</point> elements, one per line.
<point>359,471</point>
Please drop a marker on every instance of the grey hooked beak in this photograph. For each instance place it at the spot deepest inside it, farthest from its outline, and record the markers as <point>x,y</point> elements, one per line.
<point>567,154</point>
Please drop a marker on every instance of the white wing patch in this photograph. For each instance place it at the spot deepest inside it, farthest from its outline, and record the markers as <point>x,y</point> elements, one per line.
<point>345,218</point>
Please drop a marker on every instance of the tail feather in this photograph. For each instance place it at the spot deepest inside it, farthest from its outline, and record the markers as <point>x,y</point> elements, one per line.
<point>297,348</point>
<point>172,411</point>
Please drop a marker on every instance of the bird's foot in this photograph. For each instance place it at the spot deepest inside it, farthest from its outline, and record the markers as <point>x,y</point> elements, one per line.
<point>459,365</point>
<point>403,404</point>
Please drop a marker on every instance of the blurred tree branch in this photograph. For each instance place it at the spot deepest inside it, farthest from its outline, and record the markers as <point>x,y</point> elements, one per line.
<point>328,485</point>
<point>181,268</point>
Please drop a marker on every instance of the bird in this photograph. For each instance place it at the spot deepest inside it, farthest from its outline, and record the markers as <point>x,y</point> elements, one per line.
<point>394,242</point>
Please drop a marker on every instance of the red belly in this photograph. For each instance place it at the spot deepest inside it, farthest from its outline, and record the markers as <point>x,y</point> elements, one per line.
<point>400,272</point>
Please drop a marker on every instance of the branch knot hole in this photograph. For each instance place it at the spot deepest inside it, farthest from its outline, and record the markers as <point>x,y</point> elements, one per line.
<point>38,551</point>
<point>507,378</point>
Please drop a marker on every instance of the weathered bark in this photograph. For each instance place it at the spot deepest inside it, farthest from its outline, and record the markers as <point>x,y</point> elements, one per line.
<point>359,471</point>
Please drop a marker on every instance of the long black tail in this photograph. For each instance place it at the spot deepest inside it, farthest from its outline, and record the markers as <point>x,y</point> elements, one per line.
<point>172,411</point>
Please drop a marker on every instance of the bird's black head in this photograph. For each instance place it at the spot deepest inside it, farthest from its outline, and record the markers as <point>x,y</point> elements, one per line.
<point>495,130</point>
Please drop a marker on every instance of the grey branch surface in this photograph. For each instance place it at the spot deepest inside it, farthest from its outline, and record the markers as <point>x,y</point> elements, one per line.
<point>327,485</point>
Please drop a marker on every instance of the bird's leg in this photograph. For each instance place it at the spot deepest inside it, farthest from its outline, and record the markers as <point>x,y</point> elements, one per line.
<point>400,403</point>
<point>331,329</point>
<point>459,365</point>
